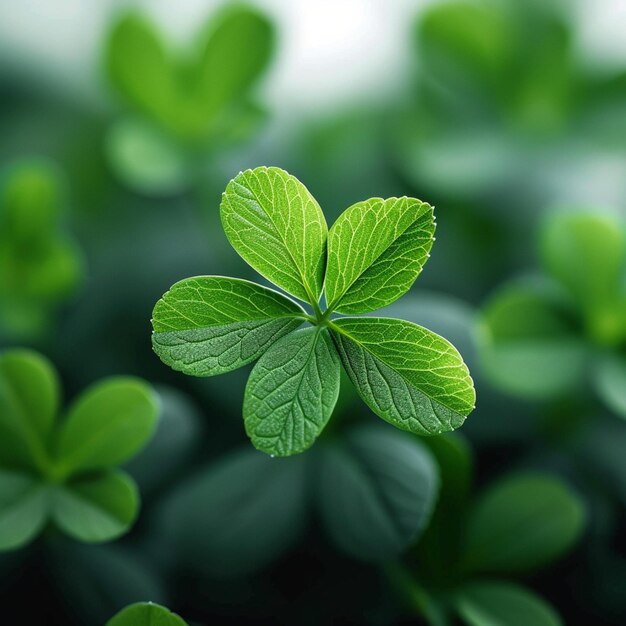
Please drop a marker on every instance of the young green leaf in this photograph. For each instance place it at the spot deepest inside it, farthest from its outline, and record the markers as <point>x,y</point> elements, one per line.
<point>494,603</point>
<point>106,426</point>
<point>376,491</point>
<point>146,614</point>
<point>226,68</point>
<point>376,250</point>
<point>521,523</point>
<point>97,507</point>
<point>29,399</point>
<point>210,324</point>
<point>247,510</point>
<point>139,67</point>
<point>408,375</point>
<point>291,392</point>
<point>23,508</point>
<point>276,225</point>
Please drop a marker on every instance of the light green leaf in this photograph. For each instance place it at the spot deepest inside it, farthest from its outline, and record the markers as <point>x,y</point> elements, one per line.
<point>530,343</point>
<point>276,225</point>
<point>247,510</point>
<point>23,509</point>
<point>521,523</point>
<point>29,399</point>
<point>376,491</point>
<point>586,253</point>
<point>376,250</point>
<point>408,375</point>
<point>494,603</point>
<point>210,324</point>
<point>138,66</point>
<point>107,425</point>
<point>146,159</point>
<point>609,377</point>
<point>146,614</point>
<point>291,392</point>
<point>96,508</point>
<point>238,47</point>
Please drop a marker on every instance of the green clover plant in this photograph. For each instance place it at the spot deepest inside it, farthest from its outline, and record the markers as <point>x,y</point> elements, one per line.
<point>473,546</point>
<point>64,472</point>
<point>185,103</point>
<point>40,265</point>
<point>208,325</point>
<point>146,614</point>
<point>541,336</point>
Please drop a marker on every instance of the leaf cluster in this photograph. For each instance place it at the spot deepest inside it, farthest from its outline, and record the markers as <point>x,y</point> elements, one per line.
<point>208,325</point>
<point>541,337</point>
<point>40,265</point>
<point>64,471</point>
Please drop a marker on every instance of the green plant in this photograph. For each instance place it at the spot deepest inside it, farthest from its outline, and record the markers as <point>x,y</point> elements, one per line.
<point>208,325</point>
<point>186,103</point>
<point>40,265</point>
<point>523,522</point>
<point>541,336</point>
<point>64,472</point>
<point>146,614</point>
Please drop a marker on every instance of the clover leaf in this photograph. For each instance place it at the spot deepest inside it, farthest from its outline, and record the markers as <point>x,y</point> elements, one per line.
<point>64,472</point>
<point>207,325</point>
<point>540,336</point>
<point>183,103</point>
<point>146,614</point>
<point>40,265</point>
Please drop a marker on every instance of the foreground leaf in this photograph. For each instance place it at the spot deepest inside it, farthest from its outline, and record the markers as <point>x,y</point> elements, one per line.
<point>523,522</point>
<point>107,425</point>
<point>211,325</point>
<point>376,250</point>
<point>247,510</point>
<point>29,399</point>
<point>95,509</point>
<point>276,225</point>
<point>376,491</point>
<point>146,614</point>
<point>408,375</point>
<point>503,604</point>
<point>291,392</point>
<point>23,508</point>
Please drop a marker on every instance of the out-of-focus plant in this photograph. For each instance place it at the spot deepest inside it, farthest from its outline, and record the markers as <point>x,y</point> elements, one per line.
<point>373,488</point>
<point>64,472</point>
<point>40,265</point>
<point>521,523</point>
<point>186,104</point>
<point>146,614</point>
<point>499,90</point>
<point>542,336</point>
<point>208,325</point>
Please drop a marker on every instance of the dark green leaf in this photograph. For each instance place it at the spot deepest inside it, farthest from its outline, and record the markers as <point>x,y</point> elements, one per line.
<point>376,250</point>
<point>408,375</point>
<point>291,392</point>
<point>276,225</point>
<point>376,491</point>
<point>210,324</point>
<point>523,522</point>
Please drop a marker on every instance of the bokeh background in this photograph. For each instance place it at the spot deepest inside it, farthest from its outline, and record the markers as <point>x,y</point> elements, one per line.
<point>509,116</point>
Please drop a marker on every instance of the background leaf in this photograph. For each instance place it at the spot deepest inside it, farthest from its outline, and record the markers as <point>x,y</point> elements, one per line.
<point>96,508</point>
<point>609,377</point>
<point>376,250</point>
<point>521,523</point>
<point>210,325</point>
<point>291,392</point>
<point>503,604</point>
<point>408,375</point>
<point>146,614</point>
<point>276,225</point>
<point>109,423</point>
<point>376,491</point>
